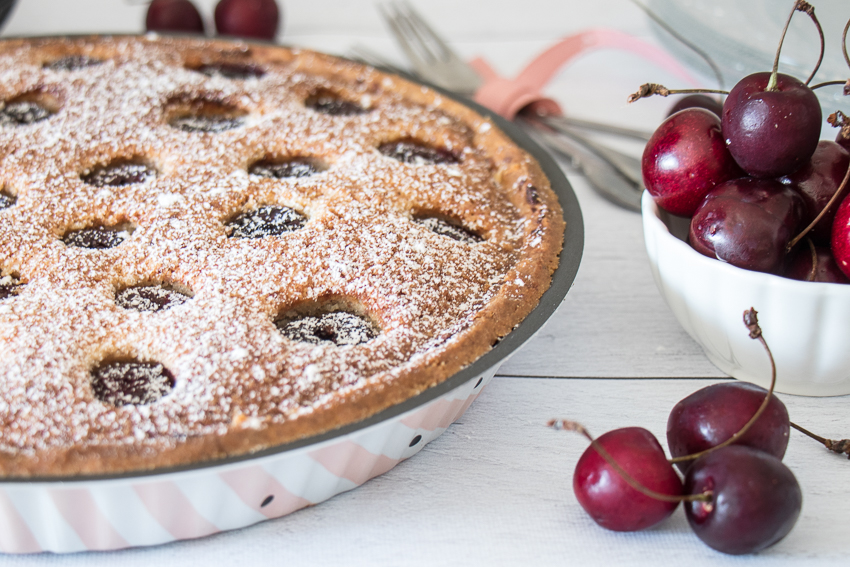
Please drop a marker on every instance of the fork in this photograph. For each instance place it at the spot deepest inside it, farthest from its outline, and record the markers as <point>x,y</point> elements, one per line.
<point>613,174</point>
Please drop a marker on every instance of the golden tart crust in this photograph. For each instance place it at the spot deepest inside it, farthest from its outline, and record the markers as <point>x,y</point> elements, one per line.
<point>239,383</point>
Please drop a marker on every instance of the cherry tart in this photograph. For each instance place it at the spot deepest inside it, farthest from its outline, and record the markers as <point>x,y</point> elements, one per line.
<point>210,247</point>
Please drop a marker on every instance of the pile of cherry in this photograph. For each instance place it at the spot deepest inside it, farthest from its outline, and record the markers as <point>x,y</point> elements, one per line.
<point>728,440</point>
<point>756,181</point>
<point>762,191</point>
<point>243,18</point>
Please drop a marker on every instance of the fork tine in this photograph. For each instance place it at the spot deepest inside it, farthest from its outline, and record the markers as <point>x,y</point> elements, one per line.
<point>394,18</point>
<point>430,56</point>
<point>426,33</point>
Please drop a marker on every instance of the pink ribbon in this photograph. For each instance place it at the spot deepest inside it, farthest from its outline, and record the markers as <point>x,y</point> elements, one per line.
<point>508,96</point>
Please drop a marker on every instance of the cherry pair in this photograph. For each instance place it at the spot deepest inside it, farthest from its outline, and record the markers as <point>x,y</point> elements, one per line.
<point>728,439</point>
<point>243,18</point>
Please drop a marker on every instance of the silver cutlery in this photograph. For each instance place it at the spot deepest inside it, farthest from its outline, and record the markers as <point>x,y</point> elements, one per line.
<point>613,174</point>
<point>5,10</point>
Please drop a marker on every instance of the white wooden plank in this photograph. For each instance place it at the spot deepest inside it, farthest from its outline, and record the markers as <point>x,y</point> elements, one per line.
<point>495,490</point>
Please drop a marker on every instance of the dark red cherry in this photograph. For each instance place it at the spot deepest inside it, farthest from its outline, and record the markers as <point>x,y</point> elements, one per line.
<point>755,499</point>
<point>338,327</point>
<point>174,16</point>
<point>827,270</point>
<point>131,382</point>
<point>96,237</point>
<point>817,181</point>
<point>710,416</point>
<point>412,152</point>
<point>452,230</point>
<point>684,159</point>
<point>247,18</point>
<point>23,112</point>
<point>697,101</point>
<point>268,220</point>
<point>748,223</point>
<point>119,174</point>
<point>207,123</point>
<point>771,133</point>
<point>843,141</point>
<point>841,236</point>
<point>6,200</point>
<point>240,71</point>
<point>606,496</point>
<point>9,287</point>
<point>73,63</point>
<point>149,298</point>
<point>291,168</point>
<point>331,104</point>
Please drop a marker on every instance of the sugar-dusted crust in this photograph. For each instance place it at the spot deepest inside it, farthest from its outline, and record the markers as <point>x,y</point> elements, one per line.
<point>240,384</point>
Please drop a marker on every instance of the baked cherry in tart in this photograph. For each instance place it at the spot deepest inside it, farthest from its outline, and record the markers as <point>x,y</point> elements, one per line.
<point>97,237</point>
<point>72,63</point>
<point>326,102</point>
<point>269,220</point>
<point>119,174</point>
<point>22,113</point>
<point>338,327</point>
<point>204,116</point>
<point>207,123</point>
<point>149,298</point>
<point>131,382</point>
<point>295,167</point>
<point>412,152</point>
<point>449,229</point>
<point>6,200</point>
<point>239,71</point>
<point>9,287</point>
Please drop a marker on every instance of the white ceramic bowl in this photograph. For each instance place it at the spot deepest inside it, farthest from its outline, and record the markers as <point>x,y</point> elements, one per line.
<point>806,324</point>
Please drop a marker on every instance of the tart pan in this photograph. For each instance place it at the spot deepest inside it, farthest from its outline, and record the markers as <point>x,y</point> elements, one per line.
<point>108,512</point>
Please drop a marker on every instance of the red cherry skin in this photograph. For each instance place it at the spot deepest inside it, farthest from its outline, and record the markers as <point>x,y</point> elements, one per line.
<point>710,416</point>
<point>827,270</point>
<point>247,18</point>
<point>842,141</point>
<point>817,181</point>
<point>609,500</point>
<point>685,157</point>
<point>755,499</point>
<point>748,223</point>
<point>771,133</point>
<point>697,101</point>
<point>174,16</point>
<point>841,236</point>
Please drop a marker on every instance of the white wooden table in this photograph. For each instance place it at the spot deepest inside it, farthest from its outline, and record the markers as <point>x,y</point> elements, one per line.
<point>495,489</point>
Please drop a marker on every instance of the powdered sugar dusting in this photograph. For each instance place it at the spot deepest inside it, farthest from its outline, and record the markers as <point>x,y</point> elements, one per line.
<point>233,368</point>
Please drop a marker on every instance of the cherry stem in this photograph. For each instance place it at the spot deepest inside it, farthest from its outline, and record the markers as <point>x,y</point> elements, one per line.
<point>841,447</point>
<point>771,84</point>
<point>823,211</point>
<point>568,425</point>
<point>751,322</point>
<point>681,39</point>
<point>813,272</point>
<point>844,43</point>
<point>649,89</point>
<point>810,10</point>
<point>827,84</point>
